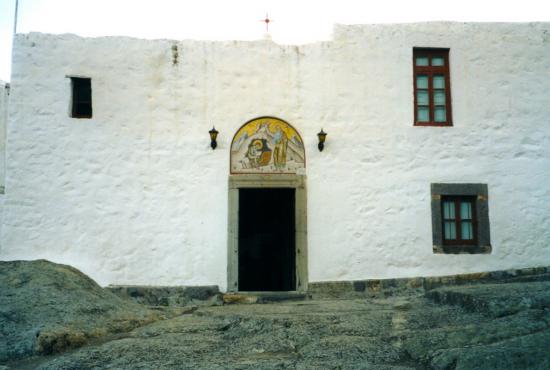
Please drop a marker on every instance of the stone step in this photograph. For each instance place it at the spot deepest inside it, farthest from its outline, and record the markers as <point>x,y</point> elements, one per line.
<point>262,297</point>
<point>496,300</point>
<point>176,296</point>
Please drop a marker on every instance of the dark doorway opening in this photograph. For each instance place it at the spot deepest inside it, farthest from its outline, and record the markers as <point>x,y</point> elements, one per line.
<point>267,245</point>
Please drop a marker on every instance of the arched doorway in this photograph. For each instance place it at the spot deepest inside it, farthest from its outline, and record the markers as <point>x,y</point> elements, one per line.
<point>267,246</point>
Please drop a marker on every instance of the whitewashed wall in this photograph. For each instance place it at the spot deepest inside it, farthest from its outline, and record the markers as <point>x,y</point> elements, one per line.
<point>136,195</point>
<point>4,94</point>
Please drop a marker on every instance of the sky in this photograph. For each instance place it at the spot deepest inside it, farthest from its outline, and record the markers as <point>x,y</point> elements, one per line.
<point>293,21</point>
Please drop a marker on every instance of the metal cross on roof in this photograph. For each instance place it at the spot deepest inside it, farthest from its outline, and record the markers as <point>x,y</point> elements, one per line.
<point>266,21</point>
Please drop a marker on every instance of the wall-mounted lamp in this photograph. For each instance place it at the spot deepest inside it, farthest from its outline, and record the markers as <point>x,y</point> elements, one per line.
<point>213,136</point>
<point>322,136</point>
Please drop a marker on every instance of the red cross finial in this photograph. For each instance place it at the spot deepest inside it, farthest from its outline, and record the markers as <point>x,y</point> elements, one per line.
<point>266,21</point>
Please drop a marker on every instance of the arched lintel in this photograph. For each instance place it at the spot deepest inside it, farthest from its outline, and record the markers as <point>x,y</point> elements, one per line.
<point>266,117</point>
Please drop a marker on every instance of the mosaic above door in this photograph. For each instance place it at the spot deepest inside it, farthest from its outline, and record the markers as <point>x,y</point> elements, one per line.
<point>267,145</point>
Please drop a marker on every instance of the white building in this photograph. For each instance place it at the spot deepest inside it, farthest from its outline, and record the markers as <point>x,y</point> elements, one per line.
<point>434,167</point>
<point>4,94</point>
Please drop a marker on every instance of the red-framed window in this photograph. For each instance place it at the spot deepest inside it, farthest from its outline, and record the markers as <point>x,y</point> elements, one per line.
<point>459,220</point>
<point>432,87</point>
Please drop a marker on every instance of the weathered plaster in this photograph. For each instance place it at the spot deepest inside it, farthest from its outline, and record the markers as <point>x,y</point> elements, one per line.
<point>4,95</point>
<point>136,196</point>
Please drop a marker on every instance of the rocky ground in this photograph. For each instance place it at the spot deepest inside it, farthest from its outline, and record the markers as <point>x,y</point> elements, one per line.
<point>47,308</point>
<point>490,326</point>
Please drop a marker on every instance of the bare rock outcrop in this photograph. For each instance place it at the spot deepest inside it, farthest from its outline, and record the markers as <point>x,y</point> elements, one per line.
<point>46,308</point>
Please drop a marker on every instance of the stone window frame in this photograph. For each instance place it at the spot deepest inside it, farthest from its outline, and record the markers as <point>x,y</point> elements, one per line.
<point>481,194</point>
<point>240,181</point>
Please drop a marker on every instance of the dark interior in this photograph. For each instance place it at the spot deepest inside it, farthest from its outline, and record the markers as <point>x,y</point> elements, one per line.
<point>82,97</point>
<point>266,240</point>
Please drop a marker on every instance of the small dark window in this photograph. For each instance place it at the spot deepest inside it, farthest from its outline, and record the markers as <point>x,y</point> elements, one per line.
<point>82,97</point>
<point>459,220</point>
<point>432,87</point>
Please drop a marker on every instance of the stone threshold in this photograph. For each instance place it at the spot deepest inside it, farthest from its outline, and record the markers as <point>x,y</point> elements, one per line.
<point>262,297</point>
<point>178,296</point>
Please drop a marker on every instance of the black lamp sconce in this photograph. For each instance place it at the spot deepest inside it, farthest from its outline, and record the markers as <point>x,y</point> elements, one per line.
<point>213,136</point>
<point>322,136</point>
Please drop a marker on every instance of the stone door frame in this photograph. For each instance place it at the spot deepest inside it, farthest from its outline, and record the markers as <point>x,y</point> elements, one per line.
<point>298,182</point>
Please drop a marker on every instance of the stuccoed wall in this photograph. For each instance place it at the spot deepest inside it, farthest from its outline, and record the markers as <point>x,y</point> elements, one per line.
<point>4,93</point>
<point>136,196</point>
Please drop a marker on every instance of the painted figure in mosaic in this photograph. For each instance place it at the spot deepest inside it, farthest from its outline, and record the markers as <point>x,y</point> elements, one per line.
<point>259,153</point>
<point>267,145</point>
<point>280,142</point>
